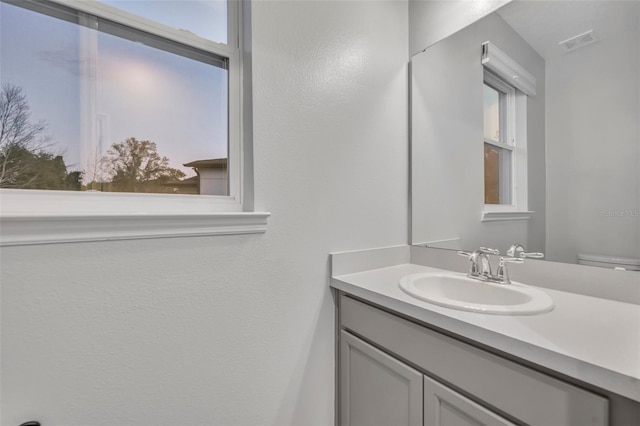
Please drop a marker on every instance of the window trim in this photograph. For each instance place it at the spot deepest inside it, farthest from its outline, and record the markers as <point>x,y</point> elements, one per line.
<point>498,216</point>
<point>37,217</point>
<point>31,230</point>
<point>505,67</point>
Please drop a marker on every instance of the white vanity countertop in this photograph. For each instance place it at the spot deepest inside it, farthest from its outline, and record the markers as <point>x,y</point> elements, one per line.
<point>591,339</point>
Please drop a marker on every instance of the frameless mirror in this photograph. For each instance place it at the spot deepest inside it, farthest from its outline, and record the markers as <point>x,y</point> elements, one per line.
<point>555,167</point>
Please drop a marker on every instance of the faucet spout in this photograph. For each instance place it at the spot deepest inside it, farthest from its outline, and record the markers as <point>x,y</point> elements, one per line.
<point>480,265</point>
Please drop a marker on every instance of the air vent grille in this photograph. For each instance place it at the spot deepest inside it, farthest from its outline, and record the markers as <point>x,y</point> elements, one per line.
<point>578,41</point>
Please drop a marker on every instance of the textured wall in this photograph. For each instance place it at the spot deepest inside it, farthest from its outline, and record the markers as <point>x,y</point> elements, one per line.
<point>432,20</point>
<point>593,139</point>
<point>233,329</point>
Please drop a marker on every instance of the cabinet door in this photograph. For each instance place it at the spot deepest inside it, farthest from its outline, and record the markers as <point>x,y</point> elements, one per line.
<point>445,407</point>
<point>376,389</point>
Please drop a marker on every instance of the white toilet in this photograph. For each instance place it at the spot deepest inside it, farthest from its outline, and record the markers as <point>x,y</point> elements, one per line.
<point>616,262</point>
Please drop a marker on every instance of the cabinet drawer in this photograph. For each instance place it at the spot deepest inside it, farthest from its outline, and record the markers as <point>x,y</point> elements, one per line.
<point>530,396</point>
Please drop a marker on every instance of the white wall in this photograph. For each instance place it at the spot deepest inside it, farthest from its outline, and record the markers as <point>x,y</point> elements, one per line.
<point>447,134</point>
<point>432,20</point>
<point>234,329</point>
<point>592,126</point>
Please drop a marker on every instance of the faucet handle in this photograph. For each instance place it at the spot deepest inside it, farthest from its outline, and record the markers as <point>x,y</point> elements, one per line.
<point>502,274</point>
<point>533,255</point>
<point>490,251</point>
<point>517,251</point>
<point>464,253</point>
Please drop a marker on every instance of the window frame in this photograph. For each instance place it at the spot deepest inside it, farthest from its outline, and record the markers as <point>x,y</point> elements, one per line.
<point>513,119</point>
<point>45,216</point>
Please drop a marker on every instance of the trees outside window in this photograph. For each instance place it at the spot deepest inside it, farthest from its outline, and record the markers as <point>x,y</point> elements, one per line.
<point>136,166</point>
<point>25,162</point>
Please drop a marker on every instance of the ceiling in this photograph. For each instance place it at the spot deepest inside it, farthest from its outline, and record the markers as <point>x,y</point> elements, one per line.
<point>543,24</point>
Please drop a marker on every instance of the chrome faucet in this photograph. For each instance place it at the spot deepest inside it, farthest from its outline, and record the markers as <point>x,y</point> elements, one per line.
<point>480,267</point>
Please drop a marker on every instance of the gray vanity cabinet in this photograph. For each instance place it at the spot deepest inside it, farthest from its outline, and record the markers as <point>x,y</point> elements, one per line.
<point>396,372</point>
<point>379,390</point>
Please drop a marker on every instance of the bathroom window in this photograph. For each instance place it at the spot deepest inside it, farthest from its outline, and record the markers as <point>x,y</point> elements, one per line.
<point>505,150</point>
<point>499,139</point>
<point>106,106</point>
<point>124,107</point>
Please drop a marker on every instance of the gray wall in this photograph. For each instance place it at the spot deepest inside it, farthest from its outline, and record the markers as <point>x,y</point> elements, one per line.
<point>593,144</point>
<point>433,20</point>
<point>447,135</point>
<point>233,330</point>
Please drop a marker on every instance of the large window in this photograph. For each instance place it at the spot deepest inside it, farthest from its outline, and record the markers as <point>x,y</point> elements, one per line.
<point>119,96</point>
<point>125,119</point>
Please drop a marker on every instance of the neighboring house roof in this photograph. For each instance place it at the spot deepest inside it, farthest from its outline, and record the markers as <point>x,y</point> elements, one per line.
<point>214,163</point>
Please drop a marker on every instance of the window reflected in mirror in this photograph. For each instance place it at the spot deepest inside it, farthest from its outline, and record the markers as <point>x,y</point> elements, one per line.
<point>497,179</point>
<point>491,113</point>
<point>498,113</point>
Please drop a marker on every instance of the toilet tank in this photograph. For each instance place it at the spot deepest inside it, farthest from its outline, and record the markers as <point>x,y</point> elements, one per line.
<point>603,261</point>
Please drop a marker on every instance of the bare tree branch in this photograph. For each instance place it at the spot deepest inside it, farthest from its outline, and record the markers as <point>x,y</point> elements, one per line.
<point>24,159</point>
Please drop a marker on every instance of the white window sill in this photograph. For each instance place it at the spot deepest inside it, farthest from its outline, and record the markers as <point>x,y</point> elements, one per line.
<point>495,216</point>
<point>45,217</point>
<point>26,230</point>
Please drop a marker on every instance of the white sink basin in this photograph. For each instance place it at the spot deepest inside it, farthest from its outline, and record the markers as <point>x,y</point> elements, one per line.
<point>457,291</point>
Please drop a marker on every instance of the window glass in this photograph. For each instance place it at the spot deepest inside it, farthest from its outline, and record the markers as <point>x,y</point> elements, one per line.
<point>497,175</point>
<point>205,18</point>
<point>105,113</point>
<point>491,113</point>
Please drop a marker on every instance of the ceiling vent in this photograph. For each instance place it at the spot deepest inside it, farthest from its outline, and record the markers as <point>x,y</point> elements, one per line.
<point>578,41</point>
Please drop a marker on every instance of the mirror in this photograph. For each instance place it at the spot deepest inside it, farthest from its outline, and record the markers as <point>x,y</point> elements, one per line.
<point>577,192</point>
